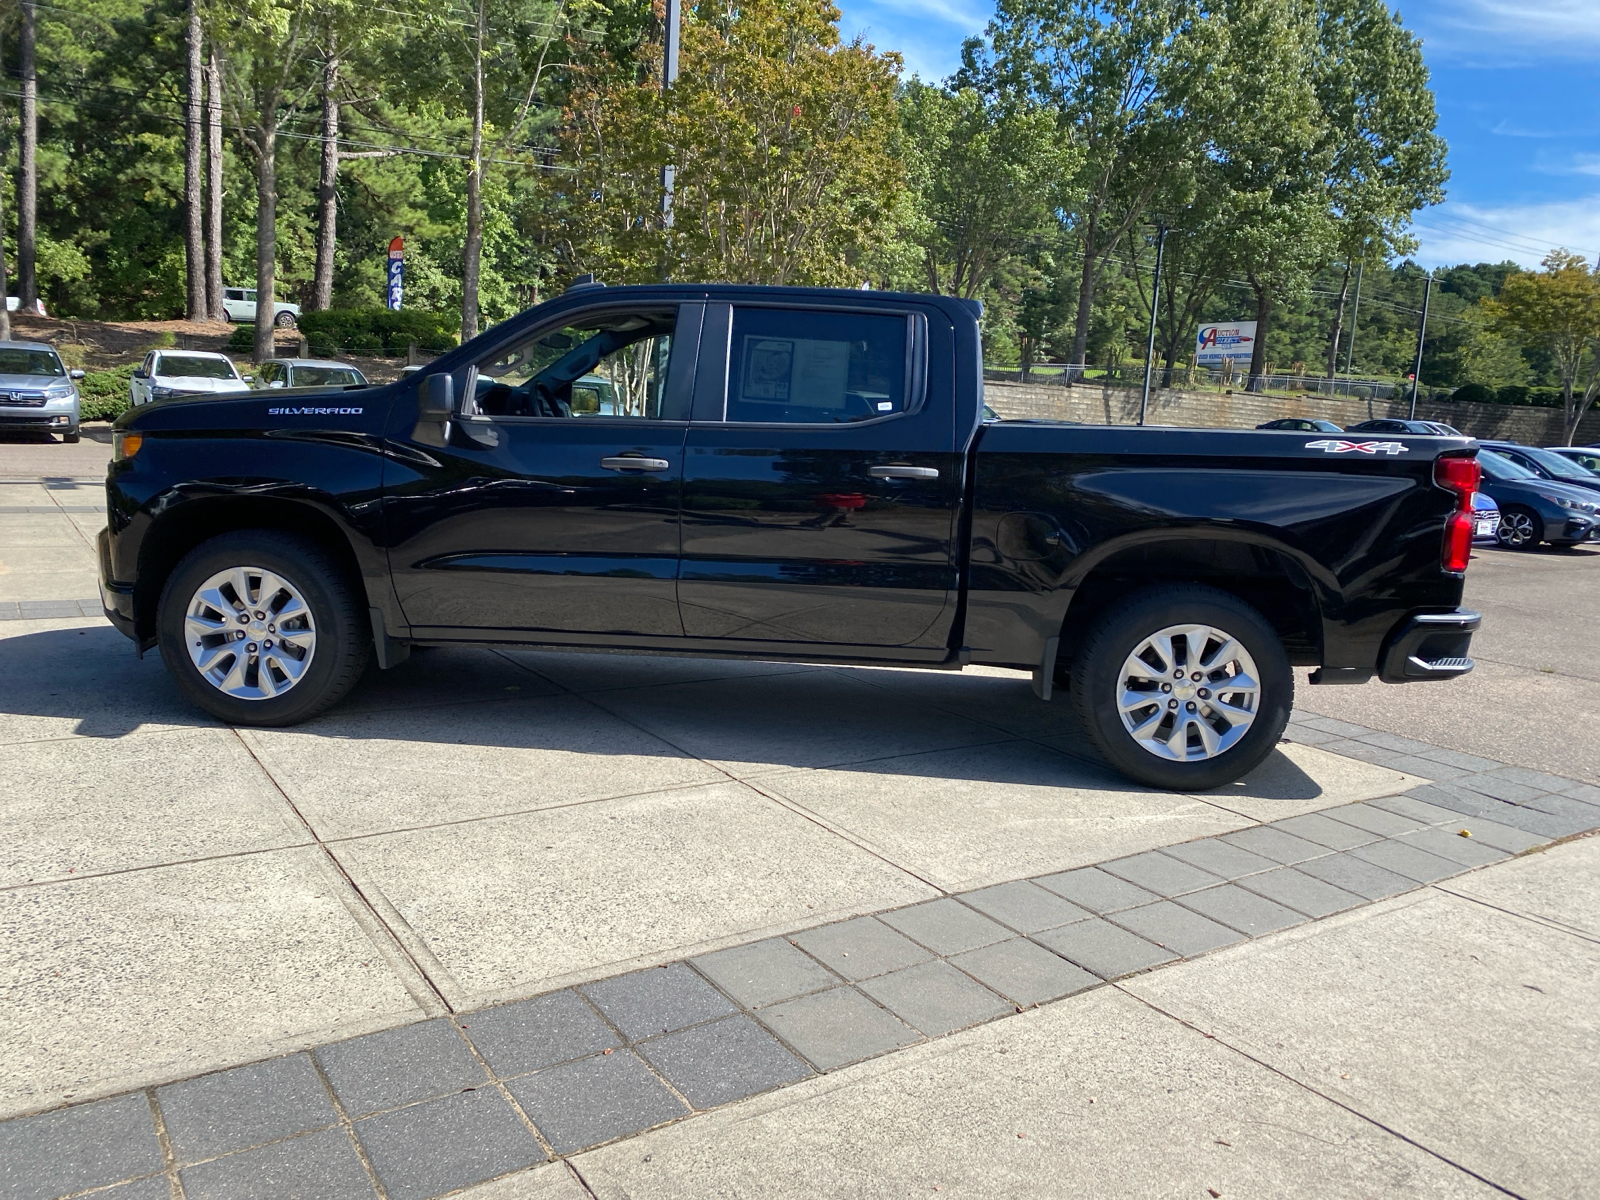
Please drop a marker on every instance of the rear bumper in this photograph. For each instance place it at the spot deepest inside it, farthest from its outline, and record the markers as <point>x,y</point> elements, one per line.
<point>116,598</point>
<point>1429,646</point>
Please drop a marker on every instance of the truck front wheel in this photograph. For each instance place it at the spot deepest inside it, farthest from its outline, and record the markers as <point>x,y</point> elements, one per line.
<point>1183,687</point>
<point>260,627</point>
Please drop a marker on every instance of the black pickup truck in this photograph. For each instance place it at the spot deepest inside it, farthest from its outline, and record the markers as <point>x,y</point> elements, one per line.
<point>782,473</point>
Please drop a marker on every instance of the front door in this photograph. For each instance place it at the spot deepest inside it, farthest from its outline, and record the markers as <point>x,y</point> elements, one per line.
<point>821,496</point>
<point>551,513</point>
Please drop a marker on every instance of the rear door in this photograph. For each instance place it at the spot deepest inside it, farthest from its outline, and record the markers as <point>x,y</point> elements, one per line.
<point>822,487</point>
<point>551,512</point>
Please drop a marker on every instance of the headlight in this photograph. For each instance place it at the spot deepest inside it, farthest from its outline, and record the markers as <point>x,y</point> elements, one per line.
<point>163,393</point>
<point>60,392</point>
<point>1573,505</point>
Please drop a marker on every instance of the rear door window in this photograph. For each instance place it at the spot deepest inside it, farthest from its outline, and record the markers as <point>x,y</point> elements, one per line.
<point>794,366</point>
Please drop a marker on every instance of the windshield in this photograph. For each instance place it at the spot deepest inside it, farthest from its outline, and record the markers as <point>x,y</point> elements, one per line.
<point>1557,465</point>
<point>326,376</point>
<point>193,366</point>
<point>1502,469</point>
<point>30,362</point>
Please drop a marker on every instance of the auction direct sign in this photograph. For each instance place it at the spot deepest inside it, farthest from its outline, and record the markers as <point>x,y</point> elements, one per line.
<point>1216,344</point>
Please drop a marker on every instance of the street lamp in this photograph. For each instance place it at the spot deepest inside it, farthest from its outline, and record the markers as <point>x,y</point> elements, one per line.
<point>669,75</point>
<point>1155,298</point>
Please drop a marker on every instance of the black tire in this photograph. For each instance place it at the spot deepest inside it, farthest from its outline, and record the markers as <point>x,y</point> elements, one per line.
<point>71,437</point>
<point>284,320</point>
<point>1519,529</point>
<point>1121,630</point>
<point>343,645</point>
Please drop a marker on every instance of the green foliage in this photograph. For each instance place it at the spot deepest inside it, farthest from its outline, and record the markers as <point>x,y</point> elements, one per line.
<point>104,395</point>
<point>243,339</point>
<point>376,329</point>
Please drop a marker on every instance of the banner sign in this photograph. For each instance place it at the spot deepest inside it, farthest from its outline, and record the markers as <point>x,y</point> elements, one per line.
<point>397,270</point>
<point>1216,344</point>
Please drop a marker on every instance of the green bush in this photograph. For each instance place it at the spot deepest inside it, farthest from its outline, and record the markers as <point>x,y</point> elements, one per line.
<point>242,339</point>
<point>103,395</point>
<point>1538,397</point>
<point>1474,393</point>
<point>377,329</point>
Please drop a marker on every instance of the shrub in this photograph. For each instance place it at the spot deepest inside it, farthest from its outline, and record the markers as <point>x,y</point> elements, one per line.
<point>1538,397</point>
<point>103,395</point>
<point>242,339</point>
<point>1474,393</point>
<point>378,329</point>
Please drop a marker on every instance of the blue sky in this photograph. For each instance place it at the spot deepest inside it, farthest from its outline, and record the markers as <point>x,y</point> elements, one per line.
<point>1518,87</point>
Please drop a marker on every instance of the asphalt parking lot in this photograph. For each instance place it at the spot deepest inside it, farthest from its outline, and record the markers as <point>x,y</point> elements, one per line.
<point>562,925</point>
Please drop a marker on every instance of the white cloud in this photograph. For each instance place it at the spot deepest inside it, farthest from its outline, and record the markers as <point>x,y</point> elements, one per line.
<point>1465,233</point>
<point>1567,28</point>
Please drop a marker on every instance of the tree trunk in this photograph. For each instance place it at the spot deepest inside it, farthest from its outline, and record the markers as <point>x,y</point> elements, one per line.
<point>472,252</point>
<point>28,155</point>
<point>214,188</point>
<point>1258,352</point>
<point>328,189</point>
<point>1080,324</point>
<point>5,317</point>
<point>266,228</point>
<point>194,242</point>
<point>1338,326</point>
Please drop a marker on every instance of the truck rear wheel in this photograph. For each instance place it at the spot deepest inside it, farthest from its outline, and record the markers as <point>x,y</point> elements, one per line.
<point>261,628</point>
<point>1184,687</point>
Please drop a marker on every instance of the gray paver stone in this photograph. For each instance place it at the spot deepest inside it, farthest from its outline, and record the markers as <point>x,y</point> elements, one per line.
<point>1411,764</point>
<point>1238,909</point>
<point>1301,892</point>
<point>1280,847</point>
<point>1566,806</point>
<point>1106,949</point>
<point>1314,827</point>
<point>448,1143</point>
<point>1531,820</point>
<point>1178,929</point>
<point>765,972</point>
<point>1393,741</point>
<point>1307,736</point>
<point>246,1106</point>
<point>1024,972</point>
<point>1492,833</point>
<point>1497,785</point>
<point>935,998</point>
<point>1092,889</point>
<point>1374,820</point>
<point>1446,796</point>
<point>593,1100</point>
<point>1218,857</point>
<point>861,948</point>
<point>1364,751</point>
<point>837,1027</point>
<point>1541,781</point>
<point>1358,876</point>
<point>1455,758</point>
<point>1586,792</point>
<point>1156,872</point>
<point>1408,860</point>
<point>1329,725</point>
<point>533,1034</point>
<point>657,1000</point>
<point>1468,851</point>
<point>1418,809</point>
<point>946,926</point>
<point>317,1166</point>
<point>724,1061</point>
<point>399,1066</point>
<point>87,1146</point>
<point>1024,906</point>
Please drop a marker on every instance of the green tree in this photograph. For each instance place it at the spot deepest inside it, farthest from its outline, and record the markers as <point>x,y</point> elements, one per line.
<point>1558,309</point>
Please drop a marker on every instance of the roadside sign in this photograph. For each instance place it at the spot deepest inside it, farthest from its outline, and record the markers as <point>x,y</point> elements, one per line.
<point>397,270</point>
<point>1215,344</point>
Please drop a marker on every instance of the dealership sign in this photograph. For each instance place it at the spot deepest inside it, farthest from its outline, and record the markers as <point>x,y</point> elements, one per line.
<point>1216,344</point>
<point>397,271</point>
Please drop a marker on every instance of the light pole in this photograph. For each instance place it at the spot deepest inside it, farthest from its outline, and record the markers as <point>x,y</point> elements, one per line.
<point>1355,315</point>
<point>1150,346</point>
<point>1422,333</point>
<point>669,75</point>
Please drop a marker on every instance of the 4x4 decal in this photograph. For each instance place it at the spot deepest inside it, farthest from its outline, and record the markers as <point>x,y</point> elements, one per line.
<point>1340,446</point>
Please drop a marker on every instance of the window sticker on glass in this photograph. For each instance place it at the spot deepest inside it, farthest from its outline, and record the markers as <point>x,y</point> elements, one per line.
<point>796,366</point>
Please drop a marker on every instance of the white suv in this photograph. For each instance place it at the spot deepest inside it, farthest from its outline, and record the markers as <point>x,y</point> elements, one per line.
<point>239,304</point>
<point>169,374</point>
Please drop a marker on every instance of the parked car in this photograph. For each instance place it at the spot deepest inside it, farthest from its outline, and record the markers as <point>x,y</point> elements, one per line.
<point>308,372</point>
<point>1585,456</point>
<point>1395,425</point>
<point>1485,518</point>
<point>796,474</point>
<point>170,374</point>
<point>1303,425</point>
<point>239,304</point>
<point>1547,464</point>
<point>36,391</point>
<point>1534,510</point>
<point>14,304</point>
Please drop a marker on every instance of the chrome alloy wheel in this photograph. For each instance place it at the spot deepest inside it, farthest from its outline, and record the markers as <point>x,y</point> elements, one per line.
<point>1516,529</point>
<point>1188,693</point>
<point>249,633</point>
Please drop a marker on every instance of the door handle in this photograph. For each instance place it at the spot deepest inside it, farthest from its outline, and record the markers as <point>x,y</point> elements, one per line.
<point>903,472</point>
<point>634,462</point>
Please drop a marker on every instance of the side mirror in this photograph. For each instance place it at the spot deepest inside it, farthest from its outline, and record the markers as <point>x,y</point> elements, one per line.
<point>275,383</point>
<point>437,396</point>
<point>75,373</point>
<point>138,373</point>
<point>248,378</point>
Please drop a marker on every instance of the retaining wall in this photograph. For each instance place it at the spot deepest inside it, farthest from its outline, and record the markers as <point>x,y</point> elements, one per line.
<point>1209,409</point>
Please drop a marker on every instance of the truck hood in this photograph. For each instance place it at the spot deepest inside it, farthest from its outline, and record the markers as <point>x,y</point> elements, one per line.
<point>199,385</point>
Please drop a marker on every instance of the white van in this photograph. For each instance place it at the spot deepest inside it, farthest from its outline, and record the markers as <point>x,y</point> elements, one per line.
<point>239,304</point>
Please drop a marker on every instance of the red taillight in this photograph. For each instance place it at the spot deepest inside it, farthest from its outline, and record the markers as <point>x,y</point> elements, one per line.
<point>1461,476</point>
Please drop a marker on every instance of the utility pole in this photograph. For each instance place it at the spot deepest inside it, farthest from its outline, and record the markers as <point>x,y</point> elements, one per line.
<point>1422,333</point>
<point>1155,298</point>
<point>669,76</point>
<point>1355,312</point>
